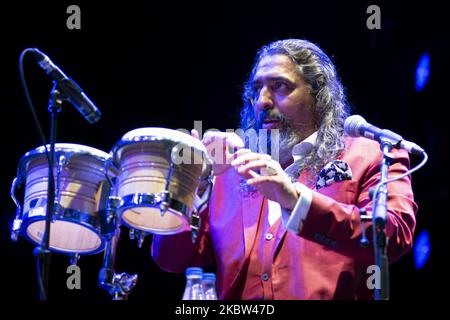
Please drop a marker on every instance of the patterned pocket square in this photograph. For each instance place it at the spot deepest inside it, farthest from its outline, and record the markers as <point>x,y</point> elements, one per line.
<point>334,171</point>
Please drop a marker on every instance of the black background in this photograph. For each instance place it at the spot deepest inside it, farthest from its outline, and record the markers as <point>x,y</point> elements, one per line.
<point>167,64</point>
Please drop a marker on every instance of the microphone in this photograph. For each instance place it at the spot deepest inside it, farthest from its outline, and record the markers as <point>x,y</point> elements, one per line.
<point>70,90</point>
<point>357,126</point>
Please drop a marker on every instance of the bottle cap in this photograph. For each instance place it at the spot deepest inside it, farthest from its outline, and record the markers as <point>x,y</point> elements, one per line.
<point>209,276</point>
<point>194,272</point>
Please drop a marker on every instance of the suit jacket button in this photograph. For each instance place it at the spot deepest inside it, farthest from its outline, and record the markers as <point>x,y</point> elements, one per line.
<point>269,236</point>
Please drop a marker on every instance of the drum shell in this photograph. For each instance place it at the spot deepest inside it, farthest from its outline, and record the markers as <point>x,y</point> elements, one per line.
<point>80,186</point>
<point>144,157</point>
<point>81,191</point>
<point>144,168</point>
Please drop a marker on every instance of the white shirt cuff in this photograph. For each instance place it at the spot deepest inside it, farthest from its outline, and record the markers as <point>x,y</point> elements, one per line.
<point>293,220</point>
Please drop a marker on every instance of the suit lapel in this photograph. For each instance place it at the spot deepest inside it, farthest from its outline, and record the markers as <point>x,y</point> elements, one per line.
<point>251,209</point>
<point>303,178</point>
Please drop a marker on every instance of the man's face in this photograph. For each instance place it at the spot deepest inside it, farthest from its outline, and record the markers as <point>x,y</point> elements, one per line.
<point>284,95</point>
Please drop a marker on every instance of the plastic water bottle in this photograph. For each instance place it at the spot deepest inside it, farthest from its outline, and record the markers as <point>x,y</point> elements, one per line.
<point>209,286</point>
<point>194,290</point>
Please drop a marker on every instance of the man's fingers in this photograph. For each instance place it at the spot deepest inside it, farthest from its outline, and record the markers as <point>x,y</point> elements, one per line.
<point>234,141</point>
<point>195,134</point>
<point>257,180</point>
<point>250,174</point>
<point>252,165</point>
<point>239,152</point>
<point>249,157</point>
<point>228,138</point>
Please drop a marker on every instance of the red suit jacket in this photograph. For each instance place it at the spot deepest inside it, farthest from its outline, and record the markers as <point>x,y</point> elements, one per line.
<point>333,262</point>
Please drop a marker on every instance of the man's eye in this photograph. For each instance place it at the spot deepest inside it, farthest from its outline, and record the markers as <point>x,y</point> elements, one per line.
<point>280,85</point>
<point>256,88</point>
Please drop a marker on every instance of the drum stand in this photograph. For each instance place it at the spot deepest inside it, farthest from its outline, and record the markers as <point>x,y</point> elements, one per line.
<point>42,252</point>
<point>120,285</point>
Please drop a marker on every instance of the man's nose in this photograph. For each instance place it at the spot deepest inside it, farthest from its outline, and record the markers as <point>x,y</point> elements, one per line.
<point>264,101</point>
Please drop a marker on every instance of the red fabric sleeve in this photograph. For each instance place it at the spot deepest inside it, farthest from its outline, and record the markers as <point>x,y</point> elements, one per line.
<point>338,225</point>
<point>175,253</point>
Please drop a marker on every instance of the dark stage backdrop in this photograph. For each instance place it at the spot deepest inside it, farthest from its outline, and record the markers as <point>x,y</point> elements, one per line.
<point>168,64</point>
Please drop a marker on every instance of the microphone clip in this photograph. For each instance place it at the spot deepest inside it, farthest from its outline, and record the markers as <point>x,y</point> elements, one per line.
<point>56,99</point>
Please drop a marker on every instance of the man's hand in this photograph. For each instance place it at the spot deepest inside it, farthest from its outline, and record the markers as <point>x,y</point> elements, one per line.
<point>220,147</point>
<point>272,182</point>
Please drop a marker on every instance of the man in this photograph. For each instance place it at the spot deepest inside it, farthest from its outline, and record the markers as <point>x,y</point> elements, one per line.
<point>292,229</point>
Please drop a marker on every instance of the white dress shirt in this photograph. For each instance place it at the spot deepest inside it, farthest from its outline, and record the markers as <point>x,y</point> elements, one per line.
<point>293,220</point>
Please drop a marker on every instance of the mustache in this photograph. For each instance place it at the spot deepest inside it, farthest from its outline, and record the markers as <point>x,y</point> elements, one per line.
<point>272,116</point>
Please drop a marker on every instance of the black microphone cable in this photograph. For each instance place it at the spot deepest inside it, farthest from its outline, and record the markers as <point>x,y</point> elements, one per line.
<point>51,182</point>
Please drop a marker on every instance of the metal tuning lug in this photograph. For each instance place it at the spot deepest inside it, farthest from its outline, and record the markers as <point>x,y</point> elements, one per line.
<point>195,225</point>
<point>62,162</point>
<point>107,217</point>
<point>132,234</point>
<point>74,259</point>
<point>111,207</point>
<point>164,202</point>
<point>141,239</point>
<point>165,195</point>
<point>17,223</point>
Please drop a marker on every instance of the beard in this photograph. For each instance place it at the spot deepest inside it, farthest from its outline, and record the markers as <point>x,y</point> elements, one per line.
<point>284,141</point>
<point>288,139</point>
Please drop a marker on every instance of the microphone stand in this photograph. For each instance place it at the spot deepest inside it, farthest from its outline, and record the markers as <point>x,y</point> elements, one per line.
<point>379,223</point>
<point>42,252</point>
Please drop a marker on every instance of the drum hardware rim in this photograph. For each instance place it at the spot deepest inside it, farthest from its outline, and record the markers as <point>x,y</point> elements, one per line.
<point>66,215</point>
<point>162,232</point>
<point>149,200</point>
<point>157,135</point>
<point>116,150</point>
<point>67,149</point>
<point>169,134</point>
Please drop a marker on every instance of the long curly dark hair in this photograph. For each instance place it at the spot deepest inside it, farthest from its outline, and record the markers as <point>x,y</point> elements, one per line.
<point>318,71</point>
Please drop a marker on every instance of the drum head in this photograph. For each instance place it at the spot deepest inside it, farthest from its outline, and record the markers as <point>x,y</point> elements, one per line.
<point>66,237</point>
<point>169,138</point>
<point>150,220</point>
<point>61,148</point>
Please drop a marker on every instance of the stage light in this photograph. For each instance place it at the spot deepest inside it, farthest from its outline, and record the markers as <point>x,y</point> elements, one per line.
<point>422,249</point>
<point>422,71</point>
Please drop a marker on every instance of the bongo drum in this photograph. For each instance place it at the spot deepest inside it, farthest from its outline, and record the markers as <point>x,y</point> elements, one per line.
<point>81,189</point>
<point>159,173</point>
